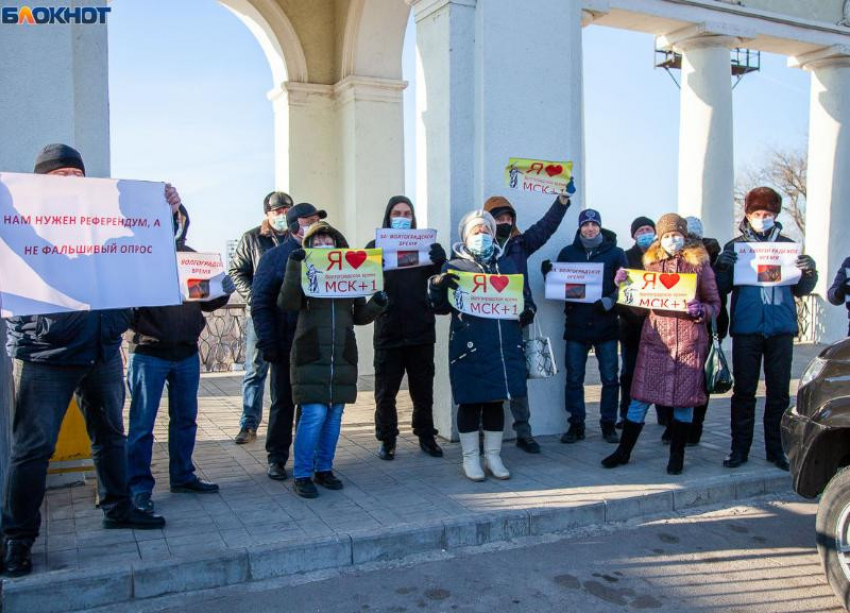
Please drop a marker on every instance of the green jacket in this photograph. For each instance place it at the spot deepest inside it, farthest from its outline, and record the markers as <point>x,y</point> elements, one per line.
<point>323,363</point>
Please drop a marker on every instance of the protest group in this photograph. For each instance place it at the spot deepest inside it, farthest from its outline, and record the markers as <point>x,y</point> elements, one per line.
<point>652,314</point>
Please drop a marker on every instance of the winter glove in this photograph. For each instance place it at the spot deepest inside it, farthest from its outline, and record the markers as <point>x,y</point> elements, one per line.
<point>437,254</point>
<point>726,260</point>
<point>298,255</point>
<point>806,264</point>
<point>381,299</point>
<point>546,267</point>
<point>569,191</point>
<point>603,305</point>
<point>272,355</point>
<point>446,280</point>
<point>227,285</point>
<point>526,317</point>
<point>621,277</point>
<point>696,309</point>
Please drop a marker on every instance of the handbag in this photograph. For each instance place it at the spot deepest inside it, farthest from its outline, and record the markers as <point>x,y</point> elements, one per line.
<point>718,377</point>
<point>539,358</point>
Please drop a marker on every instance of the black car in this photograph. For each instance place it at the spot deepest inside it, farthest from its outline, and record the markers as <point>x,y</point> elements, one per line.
<point>816,438</point>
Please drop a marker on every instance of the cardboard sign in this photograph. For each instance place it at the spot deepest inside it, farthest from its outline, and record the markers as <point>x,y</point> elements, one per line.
<point>78,244</point>
<point>342,273</point>
<point>661,291</point>
<point>574,282</point>
<point>201,275</point>
<point>405,248</point>
<point>767,264</point>
<point>539,176</point>
<point>488,296</point>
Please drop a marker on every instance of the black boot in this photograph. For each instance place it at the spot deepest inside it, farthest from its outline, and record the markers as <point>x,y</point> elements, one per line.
<point>387,449</point>
<point>667,434</point>
<point>631,432</point>
<point>678,440</point>
<point>664,415</point>
<point>17,559</point>
<point>696,426</point>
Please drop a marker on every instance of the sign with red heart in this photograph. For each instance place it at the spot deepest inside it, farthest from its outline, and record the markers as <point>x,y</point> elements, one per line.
<point>342,273</point>
<point>541,176</point>
<point>488,296</point>
<point>659,291</point>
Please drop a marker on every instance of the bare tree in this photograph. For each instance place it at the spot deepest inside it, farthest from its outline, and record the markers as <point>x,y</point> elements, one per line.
<point>785,171</point>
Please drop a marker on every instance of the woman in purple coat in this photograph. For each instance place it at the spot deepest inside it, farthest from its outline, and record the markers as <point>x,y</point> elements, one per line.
<point>673,344</point>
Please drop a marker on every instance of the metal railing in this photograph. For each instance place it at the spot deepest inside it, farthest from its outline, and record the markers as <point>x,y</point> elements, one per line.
<point>807,319</point>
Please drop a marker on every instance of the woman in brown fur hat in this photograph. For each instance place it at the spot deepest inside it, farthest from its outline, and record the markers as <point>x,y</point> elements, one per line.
<point>673,344</point>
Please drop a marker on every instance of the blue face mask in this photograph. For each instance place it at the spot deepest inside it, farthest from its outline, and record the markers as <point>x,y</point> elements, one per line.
<point>645,240</point>
<point>401,223</point>
<point>279,223</point>
<point>480,245</point>
<point>673,244</point>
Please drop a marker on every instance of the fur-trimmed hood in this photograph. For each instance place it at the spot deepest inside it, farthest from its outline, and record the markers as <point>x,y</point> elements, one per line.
<point>323,227</point>
<point>694,253</point>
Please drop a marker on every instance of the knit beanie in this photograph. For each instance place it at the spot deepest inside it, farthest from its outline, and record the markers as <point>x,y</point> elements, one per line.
<point>762,199</point>
<point>694,226</point>
<point>56,156</point>
<point>588,215</point>
<point>640,222</point>
<point>475,218</point>
<point>671,222</point>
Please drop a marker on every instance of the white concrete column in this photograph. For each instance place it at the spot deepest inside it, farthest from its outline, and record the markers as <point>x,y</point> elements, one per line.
<point>828,197</point>
<point>706,167</point>
<point>529,104</point>
<point>445,133</point>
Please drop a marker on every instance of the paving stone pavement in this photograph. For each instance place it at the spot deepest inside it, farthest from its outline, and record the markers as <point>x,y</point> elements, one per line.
<point>252,510</point>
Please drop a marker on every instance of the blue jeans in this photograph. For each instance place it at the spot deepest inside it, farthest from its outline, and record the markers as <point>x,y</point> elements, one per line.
<point>638,409</point>
<point>576,361</point>
<point>254,381</point>
<point>316,437</point>
<point>146,377</point>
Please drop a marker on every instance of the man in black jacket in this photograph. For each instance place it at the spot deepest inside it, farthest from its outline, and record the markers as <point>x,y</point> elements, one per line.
<point>253,244</point>
<point>164,350</point>
<point>404,342</point>
<point>59,357</point>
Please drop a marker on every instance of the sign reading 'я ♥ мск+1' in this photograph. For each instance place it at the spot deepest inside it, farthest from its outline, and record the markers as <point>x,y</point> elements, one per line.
<point>488,296</point>
<point>662,291</point>
<point>342,273</point>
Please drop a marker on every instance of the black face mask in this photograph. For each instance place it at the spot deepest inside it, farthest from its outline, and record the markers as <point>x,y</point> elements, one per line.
<point>503,230</point>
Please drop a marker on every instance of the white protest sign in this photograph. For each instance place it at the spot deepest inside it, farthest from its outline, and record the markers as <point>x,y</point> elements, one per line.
<point>767,264</point>
<point>201,275</point>
<point>76,244</point>
<point>575,282</point>
<point>405,248</point>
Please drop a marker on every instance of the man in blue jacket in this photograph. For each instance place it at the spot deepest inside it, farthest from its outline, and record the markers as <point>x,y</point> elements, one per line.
<point>517,247</point>
<point>275,331</point>
<point>56,358</point>
<point>592,325</point>
<point>763,324</point>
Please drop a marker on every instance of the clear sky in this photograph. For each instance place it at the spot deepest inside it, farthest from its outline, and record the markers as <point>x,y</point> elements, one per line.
<point>188,105</point>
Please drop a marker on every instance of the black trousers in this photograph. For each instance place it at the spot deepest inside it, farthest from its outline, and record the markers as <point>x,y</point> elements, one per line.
<point>281,414</point>
<point>390,366</point>
<point>489,415</point>
<point>747,353</point>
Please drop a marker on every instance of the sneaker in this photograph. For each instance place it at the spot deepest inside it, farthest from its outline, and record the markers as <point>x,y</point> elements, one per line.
<point>305,487</point>
<point>143,502</point>
<point>195,486</point>
<point>17,560</point>
<point>328,480</point>
<point>246,435</point>
<point>528,444</point>
<point>609,433</point>
<point>574,434</point>
<point>136,520</point>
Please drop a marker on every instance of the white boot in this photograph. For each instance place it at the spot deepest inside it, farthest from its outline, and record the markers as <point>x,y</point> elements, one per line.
<point>471,458</point>
<point>492,459</point>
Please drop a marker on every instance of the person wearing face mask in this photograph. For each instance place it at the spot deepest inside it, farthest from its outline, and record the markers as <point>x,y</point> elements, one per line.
<point>253,244</point>
<point>486,357</point>
<point>404,342</point>
<point>275,330</point>
<point>673,345</point>
<point>763,324</point>
<point>593,325</point>
<point>518,246</point>
<point>324,362</point>
<point>631,320</point>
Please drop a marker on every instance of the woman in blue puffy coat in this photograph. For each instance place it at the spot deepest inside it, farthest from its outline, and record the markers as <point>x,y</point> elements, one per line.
<point>486,357</point>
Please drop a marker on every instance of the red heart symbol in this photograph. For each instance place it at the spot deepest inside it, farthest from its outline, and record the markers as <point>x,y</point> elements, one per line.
<point>499,282</point>
<point>553,170</point>
<point>355,258</point>
<point>668,280</point>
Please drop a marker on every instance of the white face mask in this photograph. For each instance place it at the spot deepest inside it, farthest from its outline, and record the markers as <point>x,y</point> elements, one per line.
<point>673,244</point>
<point>323,246</point>
<point>305,228</point>
<point>762,225</point>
